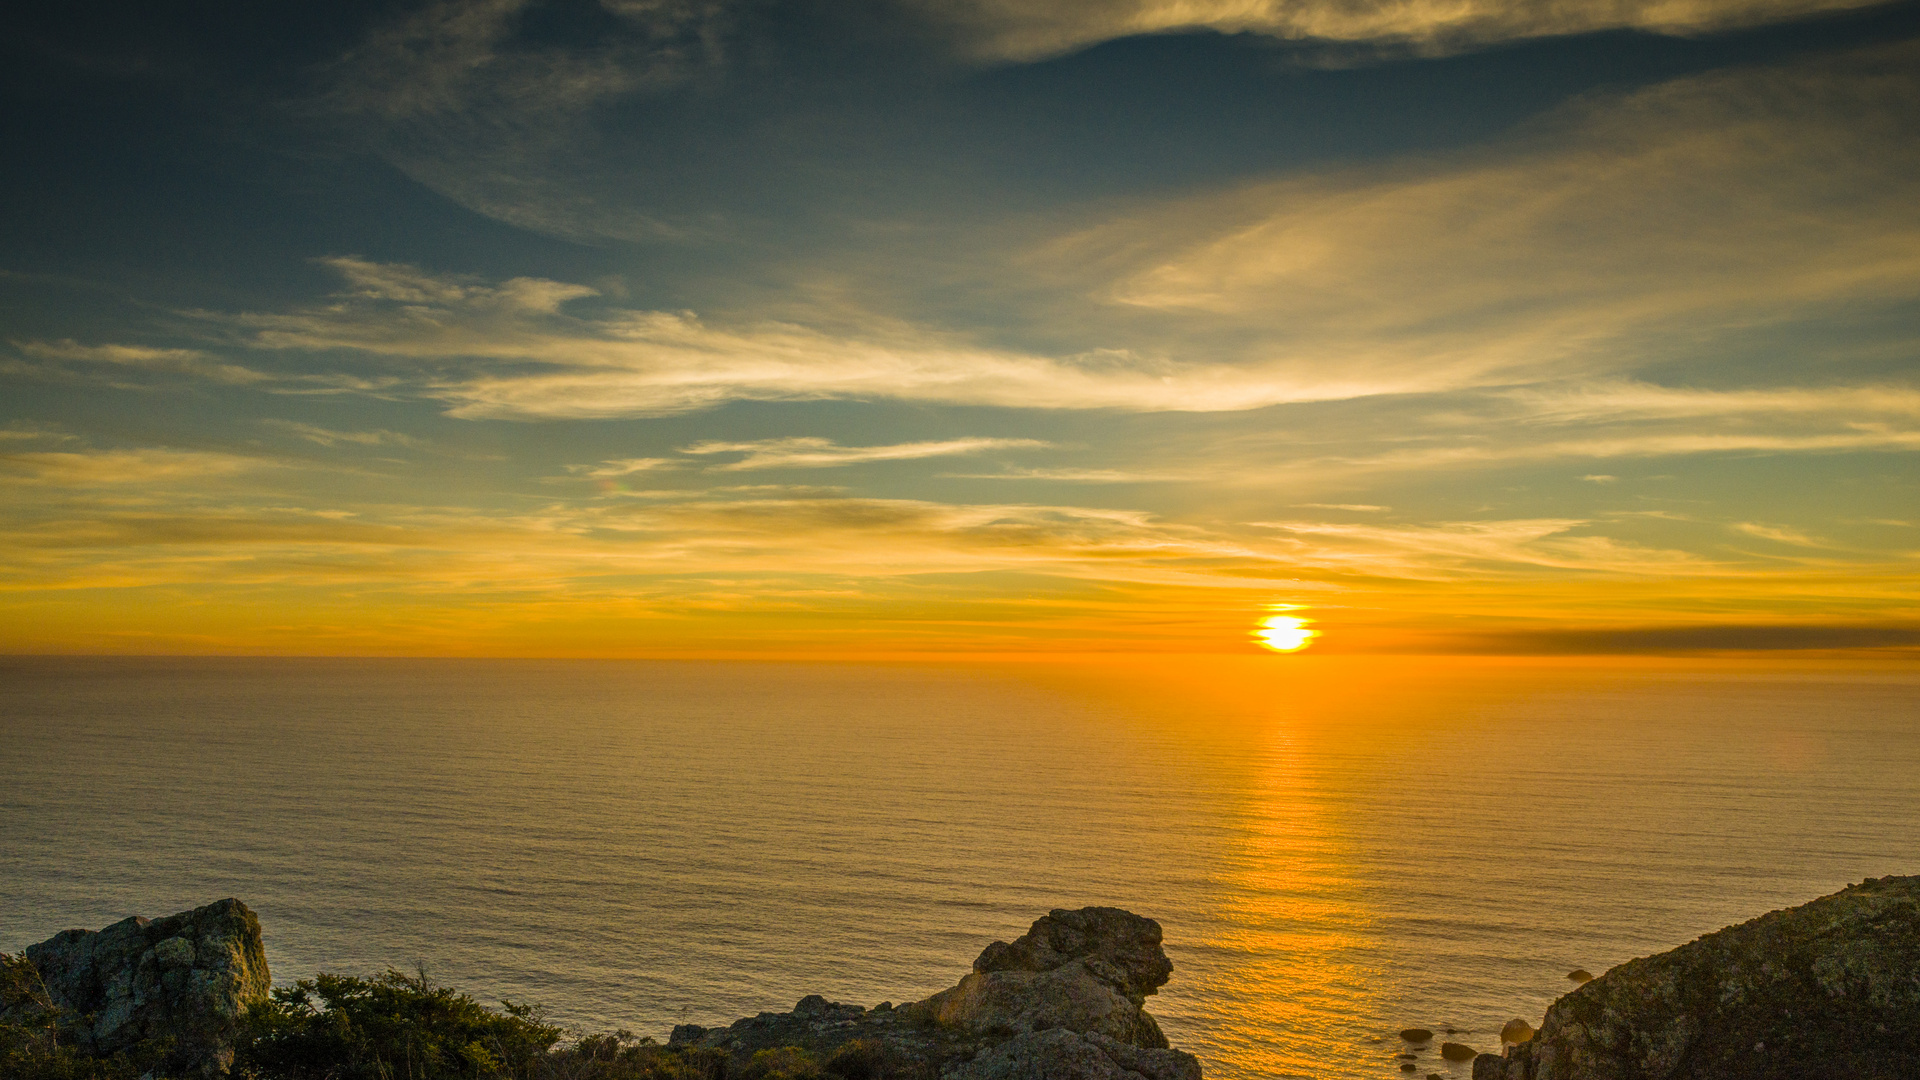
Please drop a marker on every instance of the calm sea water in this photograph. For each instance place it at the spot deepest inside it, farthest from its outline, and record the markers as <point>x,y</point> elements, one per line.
<point>1337,849</point>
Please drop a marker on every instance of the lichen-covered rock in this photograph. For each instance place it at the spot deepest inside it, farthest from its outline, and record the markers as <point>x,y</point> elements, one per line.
<point>187,977</point>
<point>1058,1054</point>
<point>1827,989</point>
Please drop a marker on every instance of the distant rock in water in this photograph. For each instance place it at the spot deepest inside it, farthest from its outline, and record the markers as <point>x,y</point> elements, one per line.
<point>187,977</point>
<point>1827,989</point>
<point>1065,1001</point>
<point>1417,1035</point>
<point>1516,1031</point>
<point>1580,975</point>
<point>1454,1051</point>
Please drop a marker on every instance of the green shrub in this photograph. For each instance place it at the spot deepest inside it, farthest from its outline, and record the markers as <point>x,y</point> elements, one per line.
<point>391,1027</point>
<point>786,1063</point>
<point>619,1056</point>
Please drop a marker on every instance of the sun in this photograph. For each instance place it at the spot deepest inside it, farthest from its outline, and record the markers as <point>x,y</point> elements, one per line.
<point>1285,633</point>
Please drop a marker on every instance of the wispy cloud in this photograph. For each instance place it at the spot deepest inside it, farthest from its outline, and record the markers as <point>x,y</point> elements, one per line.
<point>1073,476</point>
<point>1358,508</point>
<point>191,362</point>
<point>125,468</point>
<point>809,452</point>
<point>1594,243</point>
<point>329,437</point>
<point>623,467</point>
<point>1778,534</point>
<point>1027,29</point>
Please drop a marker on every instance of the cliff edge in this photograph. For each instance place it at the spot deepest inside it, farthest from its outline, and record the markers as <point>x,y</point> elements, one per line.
<point>1827,989</point>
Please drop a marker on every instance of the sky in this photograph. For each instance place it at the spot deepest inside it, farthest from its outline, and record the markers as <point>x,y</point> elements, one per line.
<point>961,327</point>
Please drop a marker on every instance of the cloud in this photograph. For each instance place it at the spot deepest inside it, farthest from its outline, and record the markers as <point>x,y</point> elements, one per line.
<point>329,437</point>
<point>1595,241</point>
<point>1688,222</point>
<point>818,453</point>
<point>1778,534</point>
<point>1689,639</point>
<point>1600,478</point>
<point>623,467</point>
<point>139,357</point>
<point>1359,508</point>
<point>1072,476</point>
<point>1476,549</point>
<point>1030,29</point>
<point>455,97</point>
<point>117,468</point>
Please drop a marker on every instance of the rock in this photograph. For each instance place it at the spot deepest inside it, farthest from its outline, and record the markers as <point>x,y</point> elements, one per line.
<point>1088,970</point>
<point>1407,1057</point>
<point>188,977</point>
<point>1435,1076</point>
<point>1454,1051</point>
<point>1064,1001</point>
<point>1417,1035</point>
<point>1828,988</point>
<point>1516,1031</point>
<point>1580,975</point>
<point>1057,1054</point>
<point>1489,1067</point>
<point>686,1034</point>
<point>1408,1066</point>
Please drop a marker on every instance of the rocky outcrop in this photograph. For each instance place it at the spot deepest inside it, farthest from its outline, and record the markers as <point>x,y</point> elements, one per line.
<point>1086,971</point>
<point>1065,1001</point>
<point>1829,988</point>
<point>185,978</point>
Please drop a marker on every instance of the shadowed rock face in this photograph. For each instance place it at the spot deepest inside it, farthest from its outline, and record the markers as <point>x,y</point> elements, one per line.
<point>1061,1002</point>
<point>1827,989</point>
<point>188,976</point>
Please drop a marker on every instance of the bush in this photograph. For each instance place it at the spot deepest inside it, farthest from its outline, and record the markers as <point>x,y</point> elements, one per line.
<point>391,1027</point>
<point>619,1056</point>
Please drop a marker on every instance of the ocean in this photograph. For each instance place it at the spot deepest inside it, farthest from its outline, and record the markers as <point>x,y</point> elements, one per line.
<point>1337,848</point>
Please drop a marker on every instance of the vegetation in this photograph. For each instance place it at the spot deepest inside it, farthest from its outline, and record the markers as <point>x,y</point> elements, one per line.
<point>399,1027</point>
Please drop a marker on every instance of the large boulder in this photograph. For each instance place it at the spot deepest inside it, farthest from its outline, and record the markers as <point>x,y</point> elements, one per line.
<point>1829,988</point>
<point>1087,971</point>
<point>187,977</point>
<point>1064,1001</point>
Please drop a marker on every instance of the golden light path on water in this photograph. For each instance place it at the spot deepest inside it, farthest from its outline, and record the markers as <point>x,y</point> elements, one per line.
<point>1285,633</point>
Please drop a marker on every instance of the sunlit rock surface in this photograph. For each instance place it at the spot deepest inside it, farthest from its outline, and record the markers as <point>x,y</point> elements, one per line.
<point>1065,1001</point>
<point>1827,989</point>
<point>188,977</point>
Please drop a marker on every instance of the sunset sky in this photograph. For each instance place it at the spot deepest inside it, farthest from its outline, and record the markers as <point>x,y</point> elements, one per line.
<point>910,327</point>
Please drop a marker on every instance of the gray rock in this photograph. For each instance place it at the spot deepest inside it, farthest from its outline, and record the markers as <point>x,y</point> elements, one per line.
<point>1065,998</point>
<point>1829,988</point>
<point>188,977</point>
<point>1058,1054</point>
<point>1088,971</point>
